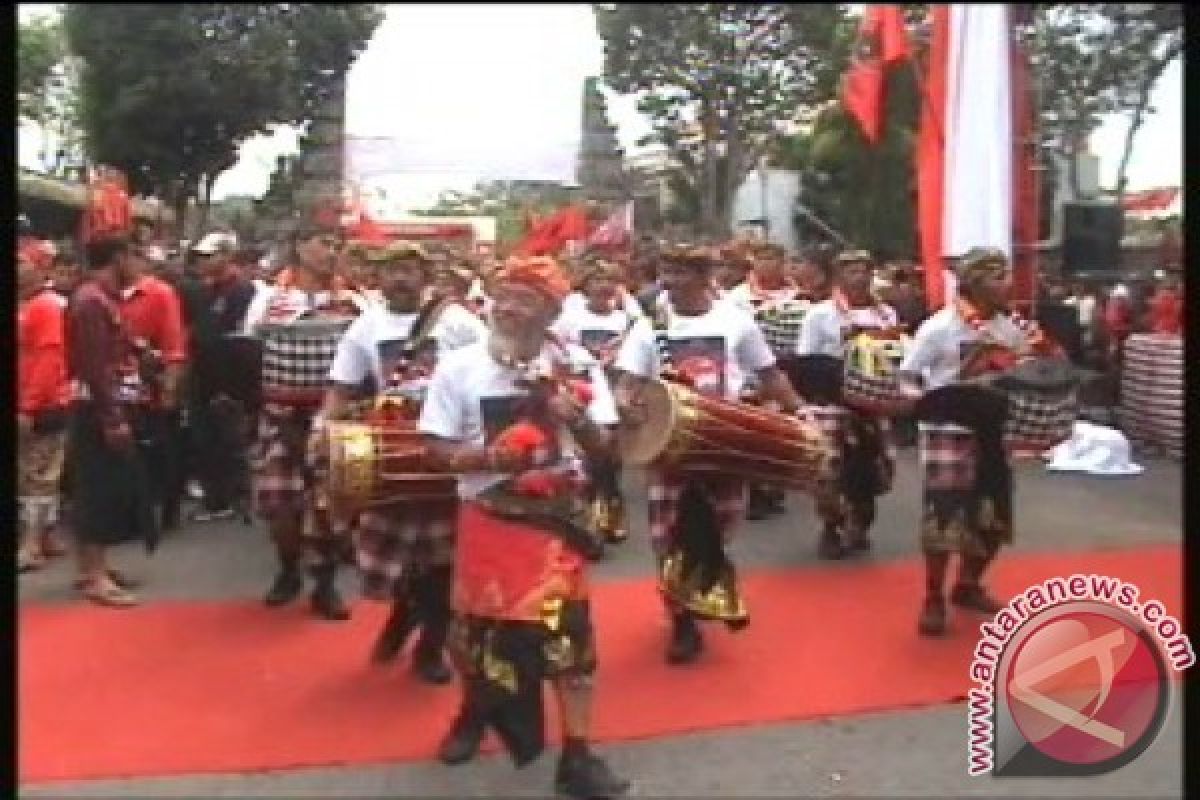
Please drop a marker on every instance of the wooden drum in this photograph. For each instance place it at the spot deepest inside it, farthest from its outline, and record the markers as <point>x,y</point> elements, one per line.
<point>693,433</point>
<point>378,465</point>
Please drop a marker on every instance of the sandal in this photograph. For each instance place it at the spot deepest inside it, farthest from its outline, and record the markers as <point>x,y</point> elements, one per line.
<point>28,562</point>
<point>110,595</point>
<point>120,579</point>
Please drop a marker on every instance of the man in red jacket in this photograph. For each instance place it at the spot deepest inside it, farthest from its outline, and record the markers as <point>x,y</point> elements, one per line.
<point>152,313</point>
<point>42,396</point>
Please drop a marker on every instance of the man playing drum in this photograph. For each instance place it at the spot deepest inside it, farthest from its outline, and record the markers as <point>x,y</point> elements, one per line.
<point>713,347</point>
<point>600,326</point>
<point>386,357</point>
<point>774,299</point>
<point>515,416</point>
<point>965,511</point>
<point>866,465</point>
<point>284,483</point>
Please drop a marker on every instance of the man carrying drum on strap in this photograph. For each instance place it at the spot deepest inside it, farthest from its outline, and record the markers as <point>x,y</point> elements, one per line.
<point>778,306</point>
<point>713,347</point>
<point>515,416</point>
<point>600,325</point>
<point>284,483</point>
<point>383,363</point>
<point>964,510</point>
<point>866,462</point>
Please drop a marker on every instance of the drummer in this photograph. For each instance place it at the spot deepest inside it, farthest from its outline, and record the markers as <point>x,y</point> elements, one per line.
<point>714,347</point>
<point>766,292</point>
<point>961,514</point>
<point>513,415</point>
<point>405,551</point>
<point>867,462</point>
<point>600,324</point>
<point>284,487</point>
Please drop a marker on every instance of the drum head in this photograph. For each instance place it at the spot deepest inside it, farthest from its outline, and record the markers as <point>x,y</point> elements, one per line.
<point>639,445</point>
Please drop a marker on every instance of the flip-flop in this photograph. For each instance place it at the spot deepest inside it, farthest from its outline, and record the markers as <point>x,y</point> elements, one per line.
<point>119,578</point>
<point>111,597</point>
<point>29,563</point>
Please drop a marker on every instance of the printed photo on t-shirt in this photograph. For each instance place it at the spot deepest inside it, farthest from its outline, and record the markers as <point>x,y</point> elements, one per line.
<point>394,356</point>
<point>701,360</point>
<point>596,340</point>
<point>499,412</point>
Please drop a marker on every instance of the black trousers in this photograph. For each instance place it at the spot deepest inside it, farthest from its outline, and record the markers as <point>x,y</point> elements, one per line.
<point>164,452</point>
<point>219,444</point>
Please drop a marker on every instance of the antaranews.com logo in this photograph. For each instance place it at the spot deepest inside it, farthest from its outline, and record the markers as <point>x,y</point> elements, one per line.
<point>1073,679</point>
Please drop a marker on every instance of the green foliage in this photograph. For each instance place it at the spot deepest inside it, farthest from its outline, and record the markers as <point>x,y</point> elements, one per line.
<point>865,193</point>
<point>717,80</point>
<point>168,92</point>
<point>40,52</point>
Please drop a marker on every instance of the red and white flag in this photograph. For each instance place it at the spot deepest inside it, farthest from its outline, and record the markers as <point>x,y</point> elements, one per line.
<point>882,42</point>
<point>616,231</point>
<point>975,187</point>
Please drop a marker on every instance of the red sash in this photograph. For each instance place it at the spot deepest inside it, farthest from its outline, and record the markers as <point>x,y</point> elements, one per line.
<point>506,569</point>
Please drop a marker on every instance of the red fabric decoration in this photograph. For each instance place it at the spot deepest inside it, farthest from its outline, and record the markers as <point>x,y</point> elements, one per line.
<point>883,42</point>
<point>540,273</point>
<point>523,438</point>
<point>541,483</point>
<point>582,391</point>
<point>109,210</point>
<point>549,235</point>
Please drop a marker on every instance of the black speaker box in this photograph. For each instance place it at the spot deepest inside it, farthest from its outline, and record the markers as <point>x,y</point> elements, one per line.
<point>1091,238</point>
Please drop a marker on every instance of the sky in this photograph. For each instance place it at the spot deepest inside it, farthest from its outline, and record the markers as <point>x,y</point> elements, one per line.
<point>469,92</point>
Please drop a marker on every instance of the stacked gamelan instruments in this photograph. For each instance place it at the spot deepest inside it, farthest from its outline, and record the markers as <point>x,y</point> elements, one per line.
<point>692,433</point>
<point>1030,407</point>
<point>296,356</point>
<point>1151,411</point>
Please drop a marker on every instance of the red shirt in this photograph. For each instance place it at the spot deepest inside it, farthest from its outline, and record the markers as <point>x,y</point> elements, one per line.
<point>41,355</point>
<point>1166,312</point>
<point>151,311</point>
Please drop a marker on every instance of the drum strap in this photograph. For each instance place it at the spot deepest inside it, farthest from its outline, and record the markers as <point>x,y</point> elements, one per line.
<point>427,317</point>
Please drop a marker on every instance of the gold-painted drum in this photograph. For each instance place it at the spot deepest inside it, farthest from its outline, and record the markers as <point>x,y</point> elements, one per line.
<point>378,465</point>
<point>871,383</point>
<point>693,433</point>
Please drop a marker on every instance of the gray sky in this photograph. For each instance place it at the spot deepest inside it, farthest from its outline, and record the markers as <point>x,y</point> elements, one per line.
<point>478,91</point>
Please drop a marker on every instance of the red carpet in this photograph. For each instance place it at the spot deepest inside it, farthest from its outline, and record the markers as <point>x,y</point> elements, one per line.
<point>232,687</point>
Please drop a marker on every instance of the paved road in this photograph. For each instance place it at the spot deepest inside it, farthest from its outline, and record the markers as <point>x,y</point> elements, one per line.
<point>918,753</point>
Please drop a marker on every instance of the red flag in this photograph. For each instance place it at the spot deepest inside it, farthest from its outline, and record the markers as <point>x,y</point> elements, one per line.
<point>616,231</point>
<point>882,42</point>
<point>1026,211</point>
<point>931,157</point>
<point>109,208</point>
<point>550,234</point>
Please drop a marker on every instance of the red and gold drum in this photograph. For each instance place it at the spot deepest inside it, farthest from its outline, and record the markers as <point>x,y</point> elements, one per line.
<point>687,431</point>
<point>372,465</point>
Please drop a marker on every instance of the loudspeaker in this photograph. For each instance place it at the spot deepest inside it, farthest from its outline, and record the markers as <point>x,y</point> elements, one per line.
<point>1091,238</point>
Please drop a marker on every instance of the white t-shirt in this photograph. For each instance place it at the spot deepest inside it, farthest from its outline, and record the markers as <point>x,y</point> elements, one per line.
<point>373,342</point>
<point>282,305</point>
<point>937,349</point>
<point>577,300</point>
<point>824,327</point>
<point>581,326</point>
<point>716,350</point>
<point>472,398</point>
<point>745,298</point>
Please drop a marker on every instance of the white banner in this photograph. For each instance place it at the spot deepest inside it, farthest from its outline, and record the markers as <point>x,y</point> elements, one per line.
<point>977,207</point>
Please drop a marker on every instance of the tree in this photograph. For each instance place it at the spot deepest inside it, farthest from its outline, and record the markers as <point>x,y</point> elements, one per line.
<point>169,92</point>
<point>866,194</point>
<point>719,79</point>
<point>1092,59</point>
<point>47,85</point>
